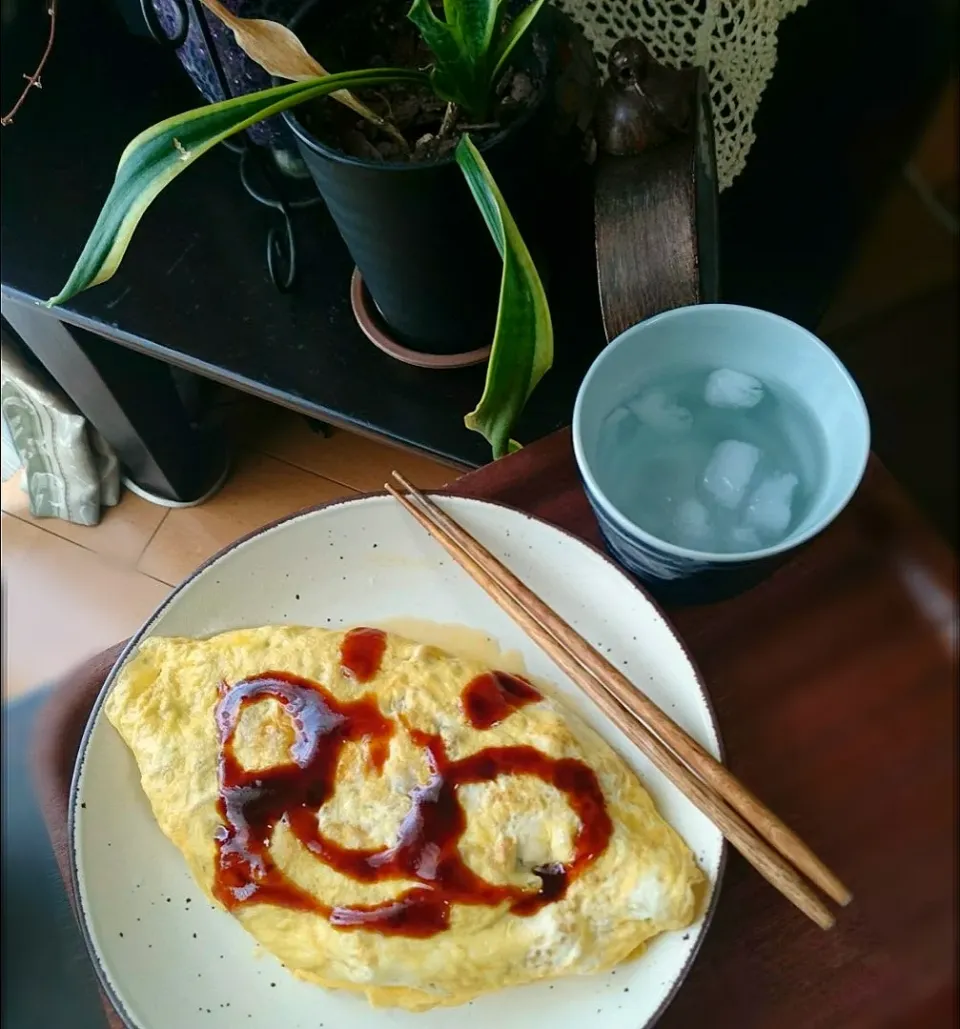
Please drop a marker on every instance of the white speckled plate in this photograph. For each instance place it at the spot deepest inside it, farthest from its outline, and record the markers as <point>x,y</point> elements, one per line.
<point>169,960</point>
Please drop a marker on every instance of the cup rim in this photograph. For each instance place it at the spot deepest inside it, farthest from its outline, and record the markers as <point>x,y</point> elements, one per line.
<point>630,528</point>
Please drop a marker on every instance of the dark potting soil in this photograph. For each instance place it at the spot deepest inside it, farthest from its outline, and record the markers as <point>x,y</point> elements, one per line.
<point>379,34</point>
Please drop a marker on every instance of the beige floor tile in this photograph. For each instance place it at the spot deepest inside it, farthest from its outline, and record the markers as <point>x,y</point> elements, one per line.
<point>259,490</point>
<point>123,531</point>
<point>344,457</point>
<point>63,603</point>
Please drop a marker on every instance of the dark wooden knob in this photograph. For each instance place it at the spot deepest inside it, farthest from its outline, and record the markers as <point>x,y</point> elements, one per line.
<point>642,104</point>
<point>628,62</point>
<point>655,222</point>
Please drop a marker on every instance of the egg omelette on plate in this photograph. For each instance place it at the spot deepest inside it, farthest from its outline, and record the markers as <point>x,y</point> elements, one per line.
<point>387,818</point>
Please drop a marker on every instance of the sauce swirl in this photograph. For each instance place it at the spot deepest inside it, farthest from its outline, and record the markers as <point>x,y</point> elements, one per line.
<point>425,852</point>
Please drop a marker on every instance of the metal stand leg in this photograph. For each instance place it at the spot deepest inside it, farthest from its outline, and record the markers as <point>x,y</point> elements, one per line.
<point>131,400</point>
<point>258,175</point>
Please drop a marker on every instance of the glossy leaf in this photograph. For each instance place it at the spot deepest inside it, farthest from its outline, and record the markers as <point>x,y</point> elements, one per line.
<point>474,22</point>
<point>522,349</point>
<point>454,75</point>
<point>158,155</point>
<point>512,36</point>
<point>469,47</point>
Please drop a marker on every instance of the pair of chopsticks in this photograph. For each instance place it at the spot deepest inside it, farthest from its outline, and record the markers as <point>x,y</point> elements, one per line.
<point>773,849</point>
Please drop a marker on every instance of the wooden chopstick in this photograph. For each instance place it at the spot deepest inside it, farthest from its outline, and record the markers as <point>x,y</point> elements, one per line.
<point>589,669</point>
<point>764,858</point>
<point>780,836</point>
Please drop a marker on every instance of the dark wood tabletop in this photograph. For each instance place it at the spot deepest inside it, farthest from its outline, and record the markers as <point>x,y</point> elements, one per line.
<point>834,684</point>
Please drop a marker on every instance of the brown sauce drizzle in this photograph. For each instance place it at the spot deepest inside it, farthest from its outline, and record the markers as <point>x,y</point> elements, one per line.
<point>490,697</point>
<point>361,653</point>
<point>426,849</point>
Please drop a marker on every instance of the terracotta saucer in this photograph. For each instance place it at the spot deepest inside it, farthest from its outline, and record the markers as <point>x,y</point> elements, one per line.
<point>371,322</point>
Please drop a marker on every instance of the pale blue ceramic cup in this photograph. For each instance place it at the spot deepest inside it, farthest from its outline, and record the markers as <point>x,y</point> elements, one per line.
<point>761,344</point>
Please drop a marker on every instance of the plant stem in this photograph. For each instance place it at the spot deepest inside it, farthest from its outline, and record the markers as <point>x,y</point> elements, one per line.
<point>386,125</point>
<point>394,133</point>
<point>33,81</point>
<point>449,117</point>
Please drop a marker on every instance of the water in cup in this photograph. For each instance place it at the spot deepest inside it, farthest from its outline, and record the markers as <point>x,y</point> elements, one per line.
<point>713,459</point>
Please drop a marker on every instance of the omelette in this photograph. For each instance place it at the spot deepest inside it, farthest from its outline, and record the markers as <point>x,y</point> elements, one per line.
<point>387,818</point>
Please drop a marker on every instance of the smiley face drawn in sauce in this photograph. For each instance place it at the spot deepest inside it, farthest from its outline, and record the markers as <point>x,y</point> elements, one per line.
<point>252,803</point>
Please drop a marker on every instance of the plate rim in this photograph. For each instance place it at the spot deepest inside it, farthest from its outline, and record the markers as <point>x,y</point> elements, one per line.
<point>82,917</point>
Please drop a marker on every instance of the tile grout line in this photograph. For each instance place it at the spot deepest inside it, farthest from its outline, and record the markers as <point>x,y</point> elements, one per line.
<point>346,485</point>
<point>139,557</point>
<point>289,464</point>
<point>35,524</point>
<point>134,565</point>
<point>147,575</point>
<point>257,447</point>
<point>89,550</point>
<point>309,471</point>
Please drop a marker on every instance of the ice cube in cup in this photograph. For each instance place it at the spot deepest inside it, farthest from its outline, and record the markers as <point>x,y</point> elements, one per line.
<point>728,388</point>
<point>691,523</point>
<point>621,425</point>
<point>744,538</point>
<point>658,412</point>
<point>729,471</point>
<point>769,509</point>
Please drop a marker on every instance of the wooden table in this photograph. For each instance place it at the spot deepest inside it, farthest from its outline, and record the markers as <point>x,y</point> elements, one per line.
<point>834,685</point>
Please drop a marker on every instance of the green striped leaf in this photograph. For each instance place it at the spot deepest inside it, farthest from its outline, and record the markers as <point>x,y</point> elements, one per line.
<point>511,37</point>
<point>457,74</point>
<point>522,350</point>
<point>469,57</point>
<point>474,22</point>
<point>158,155</point>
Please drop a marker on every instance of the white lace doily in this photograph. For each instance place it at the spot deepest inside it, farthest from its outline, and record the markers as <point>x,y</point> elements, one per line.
<point>735,40</point>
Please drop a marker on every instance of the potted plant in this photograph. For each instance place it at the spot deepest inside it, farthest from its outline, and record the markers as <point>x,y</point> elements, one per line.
<point>470,45</point>
<point>399,203</point>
